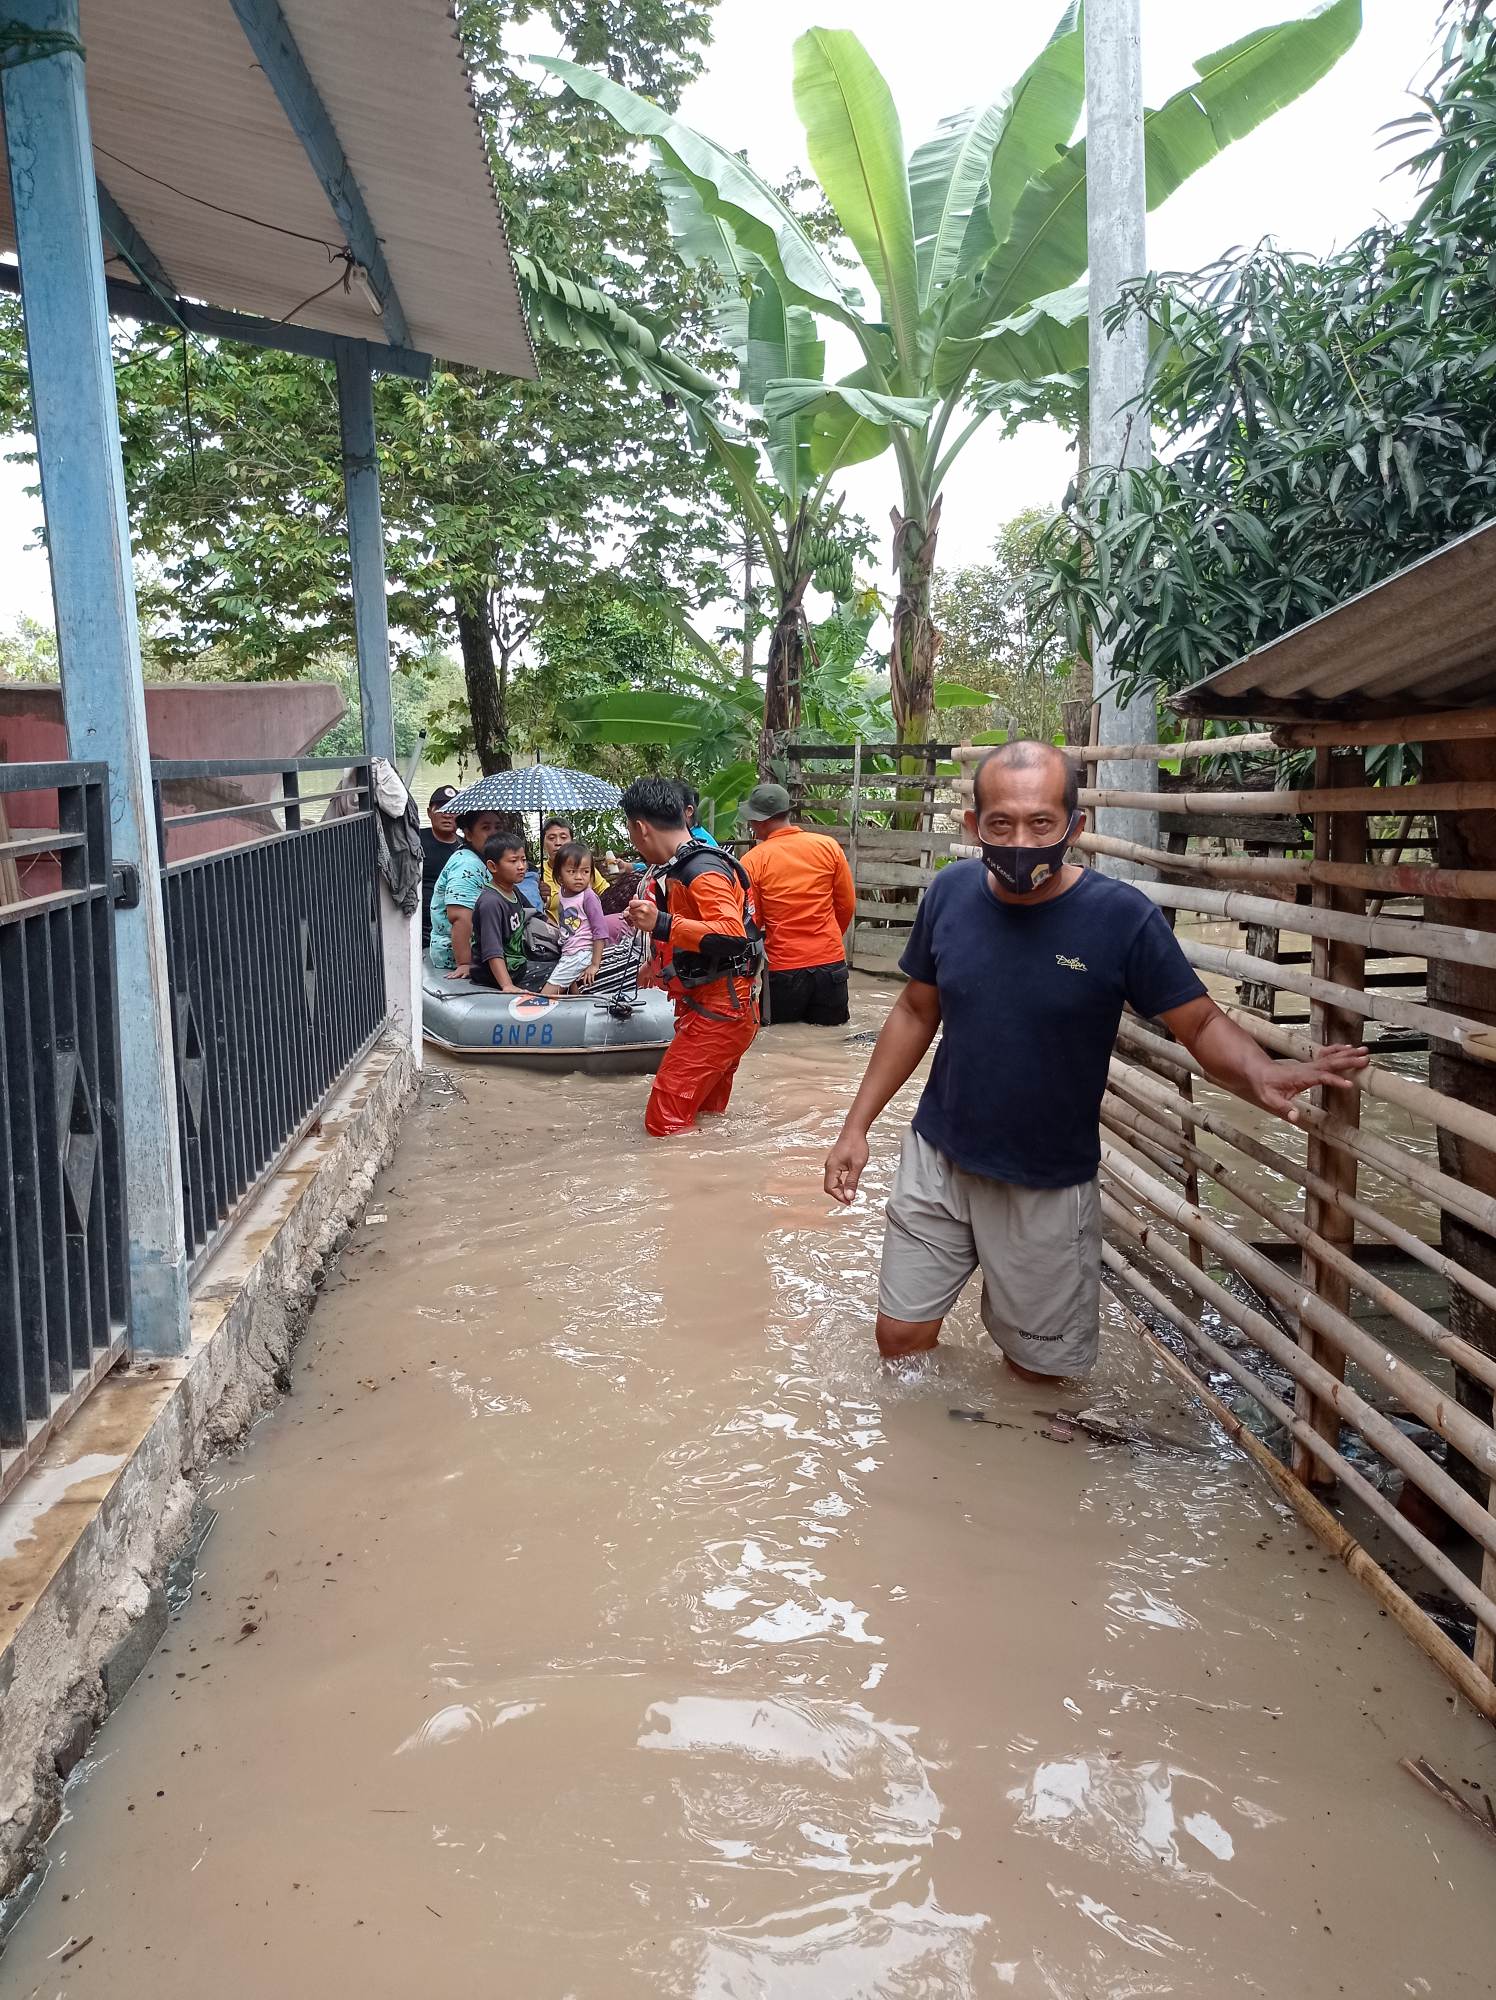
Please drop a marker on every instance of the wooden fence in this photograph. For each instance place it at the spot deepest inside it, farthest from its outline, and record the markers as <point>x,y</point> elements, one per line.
<point>1334,1281</point>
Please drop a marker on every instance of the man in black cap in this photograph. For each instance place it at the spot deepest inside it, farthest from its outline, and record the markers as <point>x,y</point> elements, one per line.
<point>438,837</point>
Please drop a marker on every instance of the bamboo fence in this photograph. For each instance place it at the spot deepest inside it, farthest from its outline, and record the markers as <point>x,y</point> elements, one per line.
<point>1326,1288</point>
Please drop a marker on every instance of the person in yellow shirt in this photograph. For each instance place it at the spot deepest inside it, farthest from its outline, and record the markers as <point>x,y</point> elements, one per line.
<point>554,835</point>
<point>805,896</point>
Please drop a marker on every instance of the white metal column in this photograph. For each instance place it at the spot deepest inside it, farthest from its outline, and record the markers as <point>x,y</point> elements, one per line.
<point>1116,214</point>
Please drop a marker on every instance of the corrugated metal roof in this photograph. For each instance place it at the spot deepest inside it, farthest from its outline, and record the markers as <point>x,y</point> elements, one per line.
<point>1424,639</point>
<point>192,143</point>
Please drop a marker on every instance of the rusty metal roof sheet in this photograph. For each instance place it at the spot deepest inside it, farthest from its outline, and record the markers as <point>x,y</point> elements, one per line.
<point>193,145</point>
<point>1424,639</point>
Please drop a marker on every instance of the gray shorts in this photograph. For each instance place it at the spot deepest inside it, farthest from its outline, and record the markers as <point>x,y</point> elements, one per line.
<point>1039,1249</point>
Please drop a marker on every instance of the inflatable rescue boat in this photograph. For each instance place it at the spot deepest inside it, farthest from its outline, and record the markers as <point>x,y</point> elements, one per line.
<point>605,1031</point>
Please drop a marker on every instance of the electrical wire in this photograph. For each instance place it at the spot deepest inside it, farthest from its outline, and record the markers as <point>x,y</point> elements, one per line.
<point>238,214</point>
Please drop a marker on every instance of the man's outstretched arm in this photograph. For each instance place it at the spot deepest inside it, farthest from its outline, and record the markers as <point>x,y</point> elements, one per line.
<point>1230,1057</point>
<point>909,1030</point>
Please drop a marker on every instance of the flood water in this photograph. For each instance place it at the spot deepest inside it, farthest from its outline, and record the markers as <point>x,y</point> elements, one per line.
<point>598,1619</point>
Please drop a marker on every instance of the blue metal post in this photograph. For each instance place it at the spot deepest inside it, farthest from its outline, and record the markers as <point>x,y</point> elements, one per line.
<point>400,936</point>
<point>83,493</point>
<point>366,545</point>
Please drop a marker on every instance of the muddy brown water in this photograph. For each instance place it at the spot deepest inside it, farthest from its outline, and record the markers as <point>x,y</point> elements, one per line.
<point>598,1619</point>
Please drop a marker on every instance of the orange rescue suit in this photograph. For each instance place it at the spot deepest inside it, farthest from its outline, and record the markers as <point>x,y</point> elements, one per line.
<point>714,1023</point>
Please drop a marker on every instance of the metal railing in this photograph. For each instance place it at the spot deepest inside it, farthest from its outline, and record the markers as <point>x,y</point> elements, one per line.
<point>64,1246</point>
<point>277,975</point>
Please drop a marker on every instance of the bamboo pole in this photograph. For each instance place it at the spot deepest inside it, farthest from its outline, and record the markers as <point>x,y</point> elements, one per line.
<point>1423,1326</point>
<point>1334,962</point>
<point>1451,942</point>
<point>1428,1553</point>
<point>1447,1419</point>
<point>1451,797</point>
<point>1145,1148</point>
<point>1384,1155</point>
<point>1476,1687</point>
<point>1471,885</point>
<point>1125,1079</point>
<point>1378,1431</point>
<point>1475,1038</point>
<point>1377,1081</point>
<point>1452,724</point>
<point>849,942</point>
<point>1190,751</point>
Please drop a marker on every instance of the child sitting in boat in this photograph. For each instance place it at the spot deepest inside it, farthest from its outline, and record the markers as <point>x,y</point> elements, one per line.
<point>499,918</point>
<point>579,915</point>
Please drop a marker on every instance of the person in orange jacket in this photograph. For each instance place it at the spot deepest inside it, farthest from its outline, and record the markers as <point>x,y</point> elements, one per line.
<point>806,899</point>
<point>699,905</point>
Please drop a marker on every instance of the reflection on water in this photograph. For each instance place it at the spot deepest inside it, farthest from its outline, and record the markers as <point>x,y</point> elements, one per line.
<point>618,1626</point>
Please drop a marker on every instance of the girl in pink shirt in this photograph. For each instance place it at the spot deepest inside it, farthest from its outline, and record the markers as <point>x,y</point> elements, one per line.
<point>580,917</point>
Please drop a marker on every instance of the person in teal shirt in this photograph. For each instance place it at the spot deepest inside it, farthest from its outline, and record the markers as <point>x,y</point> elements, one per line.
<point>692,800</point>
<point>458,888</point>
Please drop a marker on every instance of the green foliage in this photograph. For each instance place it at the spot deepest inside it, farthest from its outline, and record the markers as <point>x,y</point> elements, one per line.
<point>500,497</point>
<point>1326,421</point>
<point>421,694</point>
<point>992,642</point>
<point>967,245</point>
<point>707,727</point>
<point>28,651</point>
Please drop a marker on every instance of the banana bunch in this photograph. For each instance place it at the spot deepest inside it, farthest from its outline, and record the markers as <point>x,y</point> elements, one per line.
<point>831,566</point>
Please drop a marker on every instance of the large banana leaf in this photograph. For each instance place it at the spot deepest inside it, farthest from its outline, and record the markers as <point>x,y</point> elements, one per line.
<point>572,312</point>
<point>782,341</point>
<point>1238,89</point>
<point>704,238</point>
<point>1051,337</point>
<point>726,185</point>
<point>842,436</point>
<point>680,721</point>
<point>856,147</point>
<point>981,159</point>
<point>793,399</point>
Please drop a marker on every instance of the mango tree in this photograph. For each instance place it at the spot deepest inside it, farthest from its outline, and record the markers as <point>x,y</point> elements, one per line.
<point>975,246</point>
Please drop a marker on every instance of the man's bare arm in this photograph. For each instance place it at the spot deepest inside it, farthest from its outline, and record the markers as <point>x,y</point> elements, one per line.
<point>908,1032</point>
<point>1231,1058</point>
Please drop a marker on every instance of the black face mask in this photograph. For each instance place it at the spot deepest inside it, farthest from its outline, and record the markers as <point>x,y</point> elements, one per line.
<point>1024,869</point>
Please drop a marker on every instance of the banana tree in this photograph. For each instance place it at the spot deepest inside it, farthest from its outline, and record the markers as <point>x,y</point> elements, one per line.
<point>975,244</point>
<point>787,501</point>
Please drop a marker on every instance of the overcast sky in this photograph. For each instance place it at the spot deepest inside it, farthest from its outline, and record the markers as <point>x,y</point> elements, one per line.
<point>1312,177</point>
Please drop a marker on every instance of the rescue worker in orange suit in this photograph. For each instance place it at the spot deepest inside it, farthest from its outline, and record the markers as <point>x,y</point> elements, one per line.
<point>701,911</point>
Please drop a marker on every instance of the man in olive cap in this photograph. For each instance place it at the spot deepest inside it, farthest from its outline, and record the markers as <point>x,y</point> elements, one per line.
<point>803,888</point>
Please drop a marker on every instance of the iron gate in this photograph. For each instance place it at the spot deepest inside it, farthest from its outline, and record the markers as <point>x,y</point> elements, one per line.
<point>64,1248</point>
<point>277,974</point>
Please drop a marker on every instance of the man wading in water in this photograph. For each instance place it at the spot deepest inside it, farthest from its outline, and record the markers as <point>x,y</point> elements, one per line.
<point>1026,960</point>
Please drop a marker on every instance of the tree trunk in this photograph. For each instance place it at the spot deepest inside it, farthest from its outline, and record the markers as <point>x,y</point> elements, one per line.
<point>785,675</point>
<point>485,694</point>
<point>915,643</point>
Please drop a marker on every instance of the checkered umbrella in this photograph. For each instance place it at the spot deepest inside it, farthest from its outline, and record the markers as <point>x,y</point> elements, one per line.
<point>537,788</point>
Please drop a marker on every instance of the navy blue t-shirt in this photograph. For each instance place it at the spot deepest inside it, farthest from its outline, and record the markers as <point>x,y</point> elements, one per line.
<point>1030,998</point>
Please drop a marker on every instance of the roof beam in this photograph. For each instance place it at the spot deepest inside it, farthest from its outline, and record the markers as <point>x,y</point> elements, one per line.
<point>131,245</point>
<point>275,50</point>
<point>135,302</point>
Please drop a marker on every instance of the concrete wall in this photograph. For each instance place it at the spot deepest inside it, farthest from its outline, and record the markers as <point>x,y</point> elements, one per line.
<point>86,1540</point>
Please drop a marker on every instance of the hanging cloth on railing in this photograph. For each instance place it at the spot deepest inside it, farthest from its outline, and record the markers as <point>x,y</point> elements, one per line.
<point>397,828</point>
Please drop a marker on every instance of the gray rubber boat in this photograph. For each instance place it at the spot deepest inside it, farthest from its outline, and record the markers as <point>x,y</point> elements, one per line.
<point>602,1032</point>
